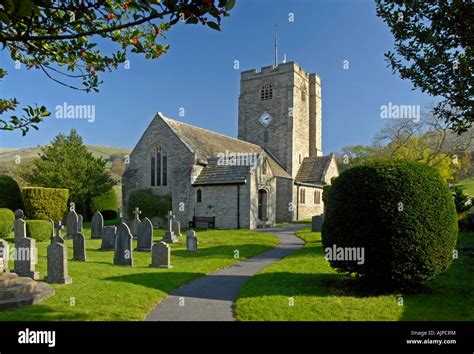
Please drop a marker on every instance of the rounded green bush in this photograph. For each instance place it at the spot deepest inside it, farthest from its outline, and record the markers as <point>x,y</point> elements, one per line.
<point>10,193</point>
<point>7,219</point>
<point>40,230</point>
<point>150,204</point>
<point>105,201</point>
<point>401,213</point>
<point>45,203</point>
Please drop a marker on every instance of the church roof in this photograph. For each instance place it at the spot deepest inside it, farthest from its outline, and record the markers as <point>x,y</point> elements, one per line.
<point>313,169</point>
<point>208,145</point>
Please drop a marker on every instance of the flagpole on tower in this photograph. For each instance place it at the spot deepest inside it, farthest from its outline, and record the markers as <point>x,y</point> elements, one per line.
<point>276,46</point>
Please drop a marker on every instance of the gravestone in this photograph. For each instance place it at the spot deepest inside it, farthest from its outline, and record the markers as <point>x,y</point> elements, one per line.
<point>25,257</point>
<point>145,236</point>
<point>79,247</point>
<point>317,223</point>
<point>160,255</point>
<point>135,223</point>
<point>176,227</point>
<point>19,228</point>
<point>4,253</point>
<point>57,264</point>
<point>57,238</point>
<point>109,234</point>
<point>191,241</point>
<point>97,225</point>
<point>19,214</point>
<point>123,246</point>
<point>80,223</point>
<point>72,224</point>
<point>170,237</point>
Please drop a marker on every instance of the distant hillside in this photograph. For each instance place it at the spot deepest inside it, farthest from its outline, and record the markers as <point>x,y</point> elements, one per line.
<point>12,160</point>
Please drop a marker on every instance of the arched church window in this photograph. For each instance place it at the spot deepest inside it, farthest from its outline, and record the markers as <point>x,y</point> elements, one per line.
<point>265,136</point>
<point>266,93</point>
<point>302,196</point>
<point>159,167</point>
<point>303,94</point>
<point>264,167</point>
<point>199,196</point>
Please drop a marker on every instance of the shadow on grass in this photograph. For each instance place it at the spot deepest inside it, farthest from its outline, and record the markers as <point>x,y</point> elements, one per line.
<point>165,281</point>
<point>224,251</point>
<point>41,312</point>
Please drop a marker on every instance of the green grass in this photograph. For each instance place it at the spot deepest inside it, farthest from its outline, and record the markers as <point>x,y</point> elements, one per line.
<point>321,294</point>
<point>102,291</point>
<point>467,185</point>
<point>302,221</point>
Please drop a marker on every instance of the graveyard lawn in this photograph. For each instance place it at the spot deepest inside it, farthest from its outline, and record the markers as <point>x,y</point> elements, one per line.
<point>303,287</point>
<point>102,291</point>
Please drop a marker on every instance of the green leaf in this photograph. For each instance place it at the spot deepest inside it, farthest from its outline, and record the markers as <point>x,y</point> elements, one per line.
<point>229,4</point>
<point>214,25</point>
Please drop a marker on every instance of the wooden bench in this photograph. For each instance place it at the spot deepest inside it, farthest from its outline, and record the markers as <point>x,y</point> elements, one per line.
<point>209,220</point>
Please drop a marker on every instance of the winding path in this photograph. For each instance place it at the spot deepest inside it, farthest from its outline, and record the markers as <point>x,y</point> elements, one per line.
<point>210,298</point>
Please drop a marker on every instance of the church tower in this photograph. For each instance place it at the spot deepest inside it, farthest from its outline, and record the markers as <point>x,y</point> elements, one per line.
<point>280,110</point>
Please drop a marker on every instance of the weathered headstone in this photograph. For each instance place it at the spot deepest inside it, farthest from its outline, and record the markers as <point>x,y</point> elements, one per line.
<point>25,257</point>
<point>72,224</point>
<point>170,237</point>
<point>176,227</point>
<point>79,247</point>
<point>97,225</point>
<point>145,236</point>
<point>19,214</point>
<point>19,228</point>
<point>160,255</point>
<point>109,233</point>
<point>80,223</point>
<point>57,264</point>
<point>123,246</point>
<point>57,238</point>
<point>317,223</point>
<point>135,222</point>
<point>4,253</point>
<point>191,241</point>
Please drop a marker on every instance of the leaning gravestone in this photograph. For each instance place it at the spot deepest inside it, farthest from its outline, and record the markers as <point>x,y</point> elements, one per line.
<point>57,264</point>
<point>191,241</point>
<point>170,236</point>
<point>19,228</point>
<point>135,222</point>
<point>19,214</point>
<point>4,253</point>
<point>72,224</point>
<point>109,234</point>
<point>176,227</point>
<point>79,247</point>
<point>145,236</point>
<point>25,261</point>
<point>80,223</point>
<point>160,255</point>
<point>317,223</point>
<point>123,246</point>
<point>97,225</point>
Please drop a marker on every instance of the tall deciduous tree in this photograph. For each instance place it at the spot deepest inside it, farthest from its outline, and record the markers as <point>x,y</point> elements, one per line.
<point>434,50</point>
<point>60,38</point>
<point>66,163</point>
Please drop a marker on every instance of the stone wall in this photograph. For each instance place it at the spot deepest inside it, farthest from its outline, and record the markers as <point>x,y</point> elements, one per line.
<point>309,208</point>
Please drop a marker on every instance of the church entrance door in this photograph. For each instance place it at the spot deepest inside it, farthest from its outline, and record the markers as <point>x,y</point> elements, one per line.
<point>262,204</point>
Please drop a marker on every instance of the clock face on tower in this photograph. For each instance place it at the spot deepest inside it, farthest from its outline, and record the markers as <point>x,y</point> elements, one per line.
<point>265,119</point>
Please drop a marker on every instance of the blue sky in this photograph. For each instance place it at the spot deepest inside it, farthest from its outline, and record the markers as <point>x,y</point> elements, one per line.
<point>198,75</point>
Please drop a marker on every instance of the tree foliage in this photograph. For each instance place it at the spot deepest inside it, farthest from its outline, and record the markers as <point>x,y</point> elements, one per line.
<point>61,39</point>
<point>434,50</point>
<point>66,163</point>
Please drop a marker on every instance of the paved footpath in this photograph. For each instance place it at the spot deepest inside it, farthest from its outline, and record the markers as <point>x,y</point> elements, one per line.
<point>210,298</point>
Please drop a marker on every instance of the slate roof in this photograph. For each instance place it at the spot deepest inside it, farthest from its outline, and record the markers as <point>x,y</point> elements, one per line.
<point>207,146</point>
<point>312,169</point>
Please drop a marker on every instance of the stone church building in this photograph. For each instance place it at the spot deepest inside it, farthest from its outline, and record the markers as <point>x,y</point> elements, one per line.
<point>273,172</point>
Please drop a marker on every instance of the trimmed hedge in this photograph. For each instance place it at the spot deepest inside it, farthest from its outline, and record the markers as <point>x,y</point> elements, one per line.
<point>105,201</point>
<point>45,203</point>
<point>40,230</point>
<point>10,193</point>
<point>150,204</point>
<point>7,219</point>
<point>401,213</point>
